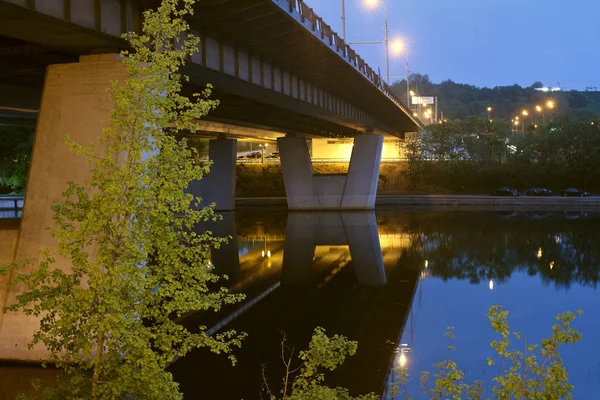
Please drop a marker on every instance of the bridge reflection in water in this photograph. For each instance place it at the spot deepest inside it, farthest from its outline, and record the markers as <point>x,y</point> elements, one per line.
<point>340,271</point>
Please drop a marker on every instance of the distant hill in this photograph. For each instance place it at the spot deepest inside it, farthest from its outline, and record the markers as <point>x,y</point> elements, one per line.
<point>458,100</point>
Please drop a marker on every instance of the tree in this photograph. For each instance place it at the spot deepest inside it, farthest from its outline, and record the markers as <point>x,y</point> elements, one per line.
<point>135,261</point>
<point>413,155</point>
<point>535,373</point>
<point>15,153</point>
<point>324,353</point>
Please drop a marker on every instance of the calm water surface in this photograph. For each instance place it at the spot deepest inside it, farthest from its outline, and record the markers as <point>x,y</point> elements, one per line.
<point>397,279</point>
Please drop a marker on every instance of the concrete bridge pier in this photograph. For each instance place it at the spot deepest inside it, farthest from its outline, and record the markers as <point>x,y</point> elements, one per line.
<point>355,190</point>
<point>219,185</point>
<point>74,102</point>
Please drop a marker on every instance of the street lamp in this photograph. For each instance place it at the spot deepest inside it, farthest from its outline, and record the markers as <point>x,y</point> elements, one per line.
<point>372,4</point>
<point>489,110</point>
<point>540,109</point>
<point>263,147</point>
<point>525,114</point>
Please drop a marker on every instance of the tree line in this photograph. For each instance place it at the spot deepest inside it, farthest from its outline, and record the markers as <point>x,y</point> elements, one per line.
<point>476,155</point>
<point>461,101</point>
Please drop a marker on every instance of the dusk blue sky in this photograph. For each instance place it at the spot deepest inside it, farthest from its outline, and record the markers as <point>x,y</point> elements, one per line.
<point>481,42</point>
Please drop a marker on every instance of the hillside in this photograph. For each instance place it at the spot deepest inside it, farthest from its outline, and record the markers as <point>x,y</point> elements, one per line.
<point>458,100</point>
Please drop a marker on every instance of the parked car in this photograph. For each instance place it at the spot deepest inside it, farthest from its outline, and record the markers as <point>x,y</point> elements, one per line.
<point>505,191</point>
<point>240,157</point>
<point>537,191</point>
<point>255,154</point>
<point>275,154</point>
<point>575,192</point>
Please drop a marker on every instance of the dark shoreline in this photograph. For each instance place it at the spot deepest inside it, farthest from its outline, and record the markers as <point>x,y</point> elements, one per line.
<point>557,203</point>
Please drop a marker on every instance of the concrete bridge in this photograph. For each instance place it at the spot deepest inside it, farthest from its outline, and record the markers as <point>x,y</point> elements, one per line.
<point>278,70</point>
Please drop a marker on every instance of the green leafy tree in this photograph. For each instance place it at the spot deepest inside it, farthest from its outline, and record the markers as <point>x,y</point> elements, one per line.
<point>538,373</point>
<point>15,153</point>
<point>324,353</point>
<point>414,158</point>
<point>136,263</point>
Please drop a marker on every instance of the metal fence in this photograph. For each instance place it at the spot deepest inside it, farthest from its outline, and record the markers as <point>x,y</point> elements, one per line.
<point>315,160</point>
<point>11,205</point>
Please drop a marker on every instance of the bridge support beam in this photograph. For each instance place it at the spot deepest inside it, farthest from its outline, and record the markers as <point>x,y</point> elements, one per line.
<point>356,190</point>
<point>297,171</point>
<point>219,185</point>
<point>74,102</point>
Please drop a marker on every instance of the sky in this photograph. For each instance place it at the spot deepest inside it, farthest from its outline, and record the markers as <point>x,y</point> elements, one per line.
<point>480,42</point>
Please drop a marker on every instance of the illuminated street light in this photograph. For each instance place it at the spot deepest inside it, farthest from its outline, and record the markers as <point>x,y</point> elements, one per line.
<point>489,110</point>
<point>550,104</point>
<point>525,112</point>
<point>491,285</point>
<point>402,359</point>
<point>397,47</point>
<point>539,109</point>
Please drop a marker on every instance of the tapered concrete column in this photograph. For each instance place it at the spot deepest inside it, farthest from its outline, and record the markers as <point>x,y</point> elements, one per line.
<point>363,173</point>
<point>219,185</point>
<point>297,171</point>
<point>74,102</point>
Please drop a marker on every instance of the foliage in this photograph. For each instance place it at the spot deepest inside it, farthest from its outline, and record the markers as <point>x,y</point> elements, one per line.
<point>536,373</point>
<point>414,158</point>
<point>324,353</point>
<point>136,262</point>
<point>478,156</point>
<point>15,153</point>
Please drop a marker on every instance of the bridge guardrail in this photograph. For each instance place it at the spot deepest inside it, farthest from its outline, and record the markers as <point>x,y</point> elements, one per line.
<point>11,205</point>
<point>332,39</point>
<point>315,160</point>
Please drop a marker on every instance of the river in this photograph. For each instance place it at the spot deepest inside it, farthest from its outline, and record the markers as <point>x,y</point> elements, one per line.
<point>394,280</point>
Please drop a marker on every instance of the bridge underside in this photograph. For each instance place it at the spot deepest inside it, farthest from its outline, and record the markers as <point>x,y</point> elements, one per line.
<point>241,36</point>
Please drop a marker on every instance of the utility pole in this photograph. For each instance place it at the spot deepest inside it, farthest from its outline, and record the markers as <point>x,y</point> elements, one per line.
<point>344,21</point>
<point>407,85</point>
<point>387,50</point>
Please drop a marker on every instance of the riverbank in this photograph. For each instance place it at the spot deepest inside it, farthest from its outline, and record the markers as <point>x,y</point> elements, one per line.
<point>550,203</point>
<point>266,180</point>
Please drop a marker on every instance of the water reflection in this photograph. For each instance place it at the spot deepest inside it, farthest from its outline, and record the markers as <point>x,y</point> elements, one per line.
<point>393,280</point>
<point>334,270</point>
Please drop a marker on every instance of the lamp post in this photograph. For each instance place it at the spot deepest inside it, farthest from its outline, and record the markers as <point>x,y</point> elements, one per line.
<point>344,21</point>
<point>540,109</point>
<point>525,114</point>
<point>262,151</point>
<point>489,110</point>
<point>386,42</point>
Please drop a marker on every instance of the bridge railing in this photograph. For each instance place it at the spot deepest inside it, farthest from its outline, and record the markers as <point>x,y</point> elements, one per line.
<point>311,21</point>
<point>11,205</point>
